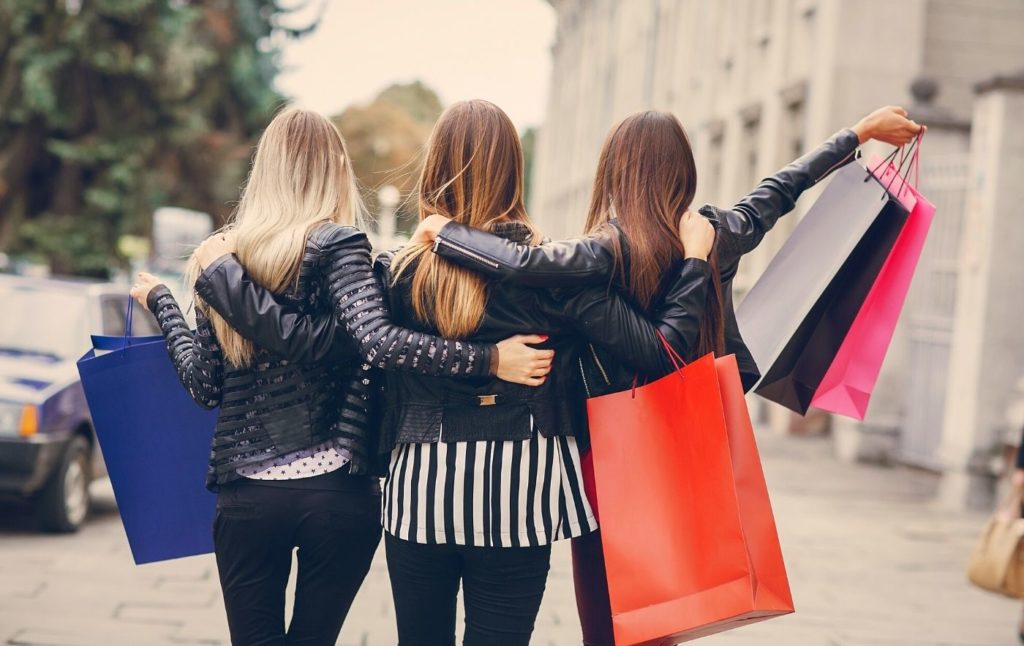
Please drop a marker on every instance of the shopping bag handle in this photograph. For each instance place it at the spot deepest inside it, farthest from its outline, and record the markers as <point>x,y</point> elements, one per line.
<point>677,361</point>
<point>128,325</point>
<point>912,156</point>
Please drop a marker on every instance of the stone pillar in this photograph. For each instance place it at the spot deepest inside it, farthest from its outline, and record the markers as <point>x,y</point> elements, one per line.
<point>987,353</point>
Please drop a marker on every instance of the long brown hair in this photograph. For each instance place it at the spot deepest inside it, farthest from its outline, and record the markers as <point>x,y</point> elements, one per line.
<point>646,178</point>
<point>473,174</point>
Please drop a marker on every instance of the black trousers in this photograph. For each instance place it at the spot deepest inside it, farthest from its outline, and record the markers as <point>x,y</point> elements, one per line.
<point>502,588</point>
<point>591,583</point>
<point>336,530</point>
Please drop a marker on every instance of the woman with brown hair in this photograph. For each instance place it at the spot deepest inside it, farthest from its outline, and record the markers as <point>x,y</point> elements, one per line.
<point>643,188</point>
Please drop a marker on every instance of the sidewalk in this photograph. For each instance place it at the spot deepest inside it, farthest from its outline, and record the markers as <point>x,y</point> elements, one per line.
<point>870,564</point>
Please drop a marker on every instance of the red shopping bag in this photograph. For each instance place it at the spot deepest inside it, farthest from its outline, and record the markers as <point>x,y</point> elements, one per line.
<point>689,539</point>
<point>847,386</point>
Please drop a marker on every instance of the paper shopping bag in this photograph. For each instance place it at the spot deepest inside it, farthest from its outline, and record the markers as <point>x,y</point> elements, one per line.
<point>847,385</point>
<point>688,536</point>
<point>156,444</point>
<point>796,316</point>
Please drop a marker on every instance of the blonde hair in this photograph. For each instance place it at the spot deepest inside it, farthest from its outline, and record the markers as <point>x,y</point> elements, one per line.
<point>301,177</point>
<point>473,174</point>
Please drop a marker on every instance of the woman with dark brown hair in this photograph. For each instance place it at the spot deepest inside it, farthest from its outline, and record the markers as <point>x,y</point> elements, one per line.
<point>643,189</point>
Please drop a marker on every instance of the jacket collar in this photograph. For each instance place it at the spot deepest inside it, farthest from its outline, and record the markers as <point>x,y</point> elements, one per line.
<point>514,231</point>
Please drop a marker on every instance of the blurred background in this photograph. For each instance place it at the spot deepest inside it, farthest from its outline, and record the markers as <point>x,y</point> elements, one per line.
<point>127,127</point>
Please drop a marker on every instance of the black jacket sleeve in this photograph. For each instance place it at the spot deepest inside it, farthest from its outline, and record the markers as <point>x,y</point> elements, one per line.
<point>610,322</point>
<point>582,261</point>
<point>197,357</point>
<point>255,312</point>
<point>742,228</point>
<point>359,307</point>
<point>590,261</point>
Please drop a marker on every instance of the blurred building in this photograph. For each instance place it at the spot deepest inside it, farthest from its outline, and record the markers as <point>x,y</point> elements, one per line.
<point>758,82</point>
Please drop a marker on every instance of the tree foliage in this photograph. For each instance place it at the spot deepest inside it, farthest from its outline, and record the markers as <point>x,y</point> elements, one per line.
<point>385,139</point>
<point>110,108</point>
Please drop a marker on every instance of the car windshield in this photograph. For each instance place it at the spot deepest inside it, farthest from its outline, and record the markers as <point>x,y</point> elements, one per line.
<point>40,321</point>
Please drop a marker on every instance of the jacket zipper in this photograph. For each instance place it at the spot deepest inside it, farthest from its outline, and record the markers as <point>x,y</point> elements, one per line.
<point>472,254</point>
<point>583,374</point>
<point>600,367</point>
<point>835,166</point>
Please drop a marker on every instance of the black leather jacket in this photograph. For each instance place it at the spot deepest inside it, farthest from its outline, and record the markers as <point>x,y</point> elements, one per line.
<point>481,407</point>
<point>311,377</point>
<point>420,409</point>
<point>589,260</point>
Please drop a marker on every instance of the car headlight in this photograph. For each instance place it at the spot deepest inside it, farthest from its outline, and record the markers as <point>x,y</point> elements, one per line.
<point>18,419</point>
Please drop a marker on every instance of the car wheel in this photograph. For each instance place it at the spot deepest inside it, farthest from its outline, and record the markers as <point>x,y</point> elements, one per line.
<point>64,503</point>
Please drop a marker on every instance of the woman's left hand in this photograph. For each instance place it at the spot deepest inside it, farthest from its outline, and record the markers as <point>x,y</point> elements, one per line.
<point>144,284</point>
<point>217,245</point>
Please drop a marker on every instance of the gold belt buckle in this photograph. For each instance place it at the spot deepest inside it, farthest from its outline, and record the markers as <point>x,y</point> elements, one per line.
<point>487,400</point>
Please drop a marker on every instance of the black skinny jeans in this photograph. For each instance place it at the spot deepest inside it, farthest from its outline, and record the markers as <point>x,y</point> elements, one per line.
<point>591,583</point>
<point>333,520</point>
<point>502,588</point>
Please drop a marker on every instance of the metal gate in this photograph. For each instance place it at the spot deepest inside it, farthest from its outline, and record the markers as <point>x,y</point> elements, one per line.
<point>930,310</point>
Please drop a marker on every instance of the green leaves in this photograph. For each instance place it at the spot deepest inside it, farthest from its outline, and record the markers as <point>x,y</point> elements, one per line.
<point>122,107</point>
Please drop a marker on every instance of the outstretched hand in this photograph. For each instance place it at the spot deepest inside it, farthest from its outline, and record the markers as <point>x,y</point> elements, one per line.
<point>890,125</point>
<point>521,364</point>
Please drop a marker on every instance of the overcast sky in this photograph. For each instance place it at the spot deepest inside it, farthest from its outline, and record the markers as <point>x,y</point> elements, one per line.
<point>491,49</point>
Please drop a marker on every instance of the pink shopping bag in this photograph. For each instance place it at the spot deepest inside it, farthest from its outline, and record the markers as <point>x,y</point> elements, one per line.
<point>847,386</point>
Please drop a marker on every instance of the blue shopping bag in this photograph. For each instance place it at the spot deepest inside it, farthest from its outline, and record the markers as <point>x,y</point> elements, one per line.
<point>156,444</point>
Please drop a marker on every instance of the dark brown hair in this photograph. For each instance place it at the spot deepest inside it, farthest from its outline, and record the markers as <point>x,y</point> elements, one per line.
<point>646,178</point>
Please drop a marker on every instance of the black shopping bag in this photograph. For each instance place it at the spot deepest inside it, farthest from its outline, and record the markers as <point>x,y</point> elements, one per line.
<point>796,316</point>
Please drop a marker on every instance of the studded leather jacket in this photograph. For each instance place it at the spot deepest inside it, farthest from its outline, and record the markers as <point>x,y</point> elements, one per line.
<point>590,260</point>
<point>311,378</point>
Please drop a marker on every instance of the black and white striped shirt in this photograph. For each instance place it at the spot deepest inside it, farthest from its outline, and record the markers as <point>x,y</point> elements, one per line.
<point>488,493</point>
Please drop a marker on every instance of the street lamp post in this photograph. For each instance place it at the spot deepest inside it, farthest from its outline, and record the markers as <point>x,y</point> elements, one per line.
<point>387,198</point>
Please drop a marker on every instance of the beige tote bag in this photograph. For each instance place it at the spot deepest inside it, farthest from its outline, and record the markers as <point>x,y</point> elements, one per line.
<point>997,563</point>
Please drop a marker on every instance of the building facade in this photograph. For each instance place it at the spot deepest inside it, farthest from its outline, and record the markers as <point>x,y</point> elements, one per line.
<point>758,82</point>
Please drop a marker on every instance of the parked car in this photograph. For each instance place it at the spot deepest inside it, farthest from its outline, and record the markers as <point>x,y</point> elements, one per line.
<point>48,449</point>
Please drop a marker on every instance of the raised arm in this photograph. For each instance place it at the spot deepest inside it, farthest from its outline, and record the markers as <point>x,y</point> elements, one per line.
<point>578,262</point>
<point>611,322</point>
<point>744,226</point>
<point>197,356</point>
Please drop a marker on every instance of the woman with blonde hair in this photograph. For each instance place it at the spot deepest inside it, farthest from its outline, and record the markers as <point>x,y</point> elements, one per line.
<point>484,475</point>
<point>294,454</point>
